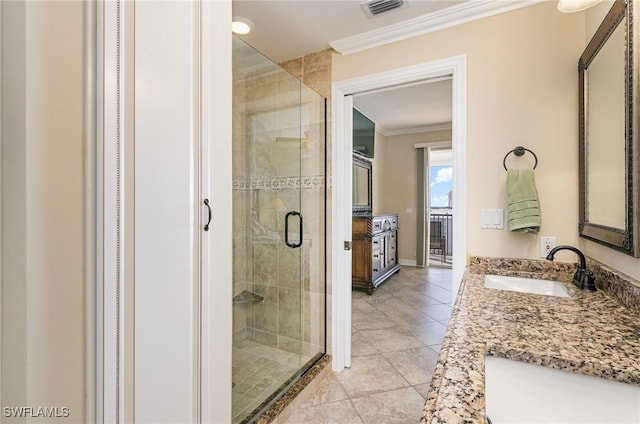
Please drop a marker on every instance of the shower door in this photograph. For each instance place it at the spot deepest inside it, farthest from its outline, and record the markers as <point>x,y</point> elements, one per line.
<point>278,207</point>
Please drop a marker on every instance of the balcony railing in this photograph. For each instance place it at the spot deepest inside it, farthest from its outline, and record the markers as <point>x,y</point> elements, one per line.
<point>441,237</point>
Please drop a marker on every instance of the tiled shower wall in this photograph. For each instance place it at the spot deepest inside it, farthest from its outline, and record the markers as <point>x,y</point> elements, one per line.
<point>314,70</point>
<point>279,161</point>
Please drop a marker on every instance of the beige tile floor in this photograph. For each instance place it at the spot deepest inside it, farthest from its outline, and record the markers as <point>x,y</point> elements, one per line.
<point>396,337</point>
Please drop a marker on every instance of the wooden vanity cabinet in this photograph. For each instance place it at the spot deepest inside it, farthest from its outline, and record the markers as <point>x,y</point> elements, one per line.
<point>375,250</point>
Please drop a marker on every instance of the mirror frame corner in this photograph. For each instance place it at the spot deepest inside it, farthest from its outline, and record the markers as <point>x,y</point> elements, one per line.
<point>626,240</point>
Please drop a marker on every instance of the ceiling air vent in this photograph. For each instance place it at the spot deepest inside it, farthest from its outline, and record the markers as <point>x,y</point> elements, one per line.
<point>376,7</point>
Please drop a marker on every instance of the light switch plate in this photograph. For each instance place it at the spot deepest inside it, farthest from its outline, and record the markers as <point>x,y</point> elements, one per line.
<point>492,219</point>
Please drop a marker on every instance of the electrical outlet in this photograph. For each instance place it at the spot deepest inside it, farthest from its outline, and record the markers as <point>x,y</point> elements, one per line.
<point>546,244</point>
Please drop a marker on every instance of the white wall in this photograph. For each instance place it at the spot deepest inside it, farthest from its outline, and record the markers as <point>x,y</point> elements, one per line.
<point>43,205</point>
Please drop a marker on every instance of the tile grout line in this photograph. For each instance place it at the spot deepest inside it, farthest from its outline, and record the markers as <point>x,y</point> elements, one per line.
<point>396,327</point>
<point>356,409</point>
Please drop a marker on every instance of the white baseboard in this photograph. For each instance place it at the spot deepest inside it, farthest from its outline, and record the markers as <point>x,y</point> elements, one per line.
<point>407,262</point>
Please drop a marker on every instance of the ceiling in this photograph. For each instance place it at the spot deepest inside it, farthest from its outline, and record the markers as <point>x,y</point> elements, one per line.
<point>288,29</point>
<point>410,108</point>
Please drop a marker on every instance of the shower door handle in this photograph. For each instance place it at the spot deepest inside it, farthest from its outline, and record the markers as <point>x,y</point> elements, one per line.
<point>286,229</point>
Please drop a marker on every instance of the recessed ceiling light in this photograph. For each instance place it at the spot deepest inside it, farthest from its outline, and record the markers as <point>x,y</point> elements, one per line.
<point>242,26</point>
<point>568,6</point>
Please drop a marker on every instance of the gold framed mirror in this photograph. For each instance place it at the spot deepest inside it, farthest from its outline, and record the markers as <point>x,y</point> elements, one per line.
<point>608,134</point>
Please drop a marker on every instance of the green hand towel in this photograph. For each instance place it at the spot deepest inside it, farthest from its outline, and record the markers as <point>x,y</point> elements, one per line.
<point>523,213</point>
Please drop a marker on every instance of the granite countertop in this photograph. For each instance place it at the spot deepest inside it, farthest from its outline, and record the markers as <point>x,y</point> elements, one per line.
<point>590,333</point>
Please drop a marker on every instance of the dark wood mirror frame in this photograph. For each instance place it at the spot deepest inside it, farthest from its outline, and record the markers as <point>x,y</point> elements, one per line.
<point>627,239</point>
<point>363,210</point>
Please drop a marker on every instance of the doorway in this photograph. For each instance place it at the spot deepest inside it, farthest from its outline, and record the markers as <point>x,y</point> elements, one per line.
<point>341,174</point>
<point>439,216</point>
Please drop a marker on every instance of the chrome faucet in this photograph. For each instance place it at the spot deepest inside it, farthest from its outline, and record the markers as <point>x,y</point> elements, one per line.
<point>583,278</point>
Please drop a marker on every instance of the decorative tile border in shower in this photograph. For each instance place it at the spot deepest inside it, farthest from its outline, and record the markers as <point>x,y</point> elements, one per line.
<point>315,181</point>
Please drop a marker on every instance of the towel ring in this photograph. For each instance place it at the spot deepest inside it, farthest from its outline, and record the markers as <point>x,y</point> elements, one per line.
<point>519,151</point>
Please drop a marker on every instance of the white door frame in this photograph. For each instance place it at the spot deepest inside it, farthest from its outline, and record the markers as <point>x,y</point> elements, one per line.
<point>341,189</point>
<point>341,175</point>
<point>217,270</point>
<point>114,402</point>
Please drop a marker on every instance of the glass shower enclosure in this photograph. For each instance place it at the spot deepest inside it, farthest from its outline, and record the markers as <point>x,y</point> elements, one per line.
<point>279,208</point>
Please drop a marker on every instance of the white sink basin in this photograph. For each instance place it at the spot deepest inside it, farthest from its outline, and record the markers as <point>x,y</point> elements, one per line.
<point>517,392</point>
<point>525,285</point>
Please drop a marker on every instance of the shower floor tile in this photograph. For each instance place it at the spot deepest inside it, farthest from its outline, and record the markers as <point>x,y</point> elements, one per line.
<point>258,371</point>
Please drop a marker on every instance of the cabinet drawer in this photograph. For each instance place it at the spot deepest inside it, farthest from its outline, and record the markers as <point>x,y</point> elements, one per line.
<point>384,223</point>
<point>376,266</point>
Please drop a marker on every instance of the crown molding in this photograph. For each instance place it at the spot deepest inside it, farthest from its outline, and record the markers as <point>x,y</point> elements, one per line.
<point>465,12</point>
<point>421,129</point>
<point>380,129</point>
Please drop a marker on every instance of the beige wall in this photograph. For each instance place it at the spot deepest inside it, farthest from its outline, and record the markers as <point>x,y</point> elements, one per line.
<point>521,90</point>
<point>379,176</point>
<point>399,189</point>
<point>45,154</point>
<point>13,368</point>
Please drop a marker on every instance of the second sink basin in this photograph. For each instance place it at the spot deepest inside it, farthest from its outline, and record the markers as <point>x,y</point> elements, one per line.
<point>517,392</point>
<point>525,285</point>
